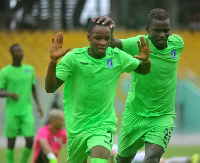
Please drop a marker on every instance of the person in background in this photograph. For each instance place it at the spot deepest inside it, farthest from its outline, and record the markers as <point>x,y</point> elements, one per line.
<point>50,139</point>
<point>17,83</point>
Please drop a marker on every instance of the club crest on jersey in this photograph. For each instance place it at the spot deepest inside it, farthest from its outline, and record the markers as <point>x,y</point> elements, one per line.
<point>109,63</point>
<point>173,53</point>
<point>26,71</point>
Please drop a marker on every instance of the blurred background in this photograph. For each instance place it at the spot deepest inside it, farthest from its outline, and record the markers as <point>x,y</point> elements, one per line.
<point>32,23</point>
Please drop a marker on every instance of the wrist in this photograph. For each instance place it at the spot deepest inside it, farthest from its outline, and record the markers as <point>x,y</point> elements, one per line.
<point>146,61</point>
<point>53,60</point>
<point>8,94</point>
<point>51,155</point>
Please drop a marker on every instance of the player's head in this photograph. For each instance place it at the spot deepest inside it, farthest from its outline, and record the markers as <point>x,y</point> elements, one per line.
<point>16,52</point>
<point>99,36</point>
<point>158,27</point>
<point>56,118</point>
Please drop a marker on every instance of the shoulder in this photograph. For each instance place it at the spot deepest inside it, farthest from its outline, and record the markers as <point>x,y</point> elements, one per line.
<point>79,51</point>
<point>6,69</point>
<point>43,130</point>
<point>176,39</point>
<point>26,66</point>
<point>136,38</point>
<point>63,131</point>
<point>73,54</point>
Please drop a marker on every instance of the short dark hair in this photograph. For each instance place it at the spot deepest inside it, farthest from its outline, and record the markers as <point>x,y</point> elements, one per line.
<point>12,47</point>
<point>158,14</point>
<point>94,24</point>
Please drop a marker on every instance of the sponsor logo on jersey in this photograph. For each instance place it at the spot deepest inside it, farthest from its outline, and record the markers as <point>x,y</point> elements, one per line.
<point>152,52</point>
<point>173,53</point>
<point>84,63</point>
<point>109,63</point>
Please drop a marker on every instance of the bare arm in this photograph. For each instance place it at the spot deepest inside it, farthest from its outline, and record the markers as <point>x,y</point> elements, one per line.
<point>35,96</point>
<point>46,148</point>
<point>144,67</point>
<point>52,83</point>
<point>12,95</point>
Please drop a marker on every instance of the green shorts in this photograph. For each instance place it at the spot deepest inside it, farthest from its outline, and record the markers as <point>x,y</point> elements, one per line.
<point>135,130</point>
<point>78,147</point>
<point>19,125</point>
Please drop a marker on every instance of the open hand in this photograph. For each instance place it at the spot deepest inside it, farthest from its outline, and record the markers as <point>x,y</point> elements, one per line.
<point>144,50</point>
<point>56,49</point>
<point>13,96</point>
<point>105,20</point>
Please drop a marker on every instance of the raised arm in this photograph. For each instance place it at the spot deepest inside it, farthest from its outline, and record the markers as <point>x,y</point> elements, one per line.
<point>104,20</point>
<point>144,56</point>
<point>52,83</point>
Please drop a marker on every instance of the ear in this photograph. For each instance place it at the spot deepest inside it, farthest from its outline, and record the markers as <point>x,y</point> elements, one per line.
<point>88,36</point>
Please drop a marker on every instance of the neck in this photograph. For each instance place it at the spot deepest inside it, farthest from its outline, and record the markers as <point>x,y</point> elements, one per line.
<point>16,63</point>
<point>93,54</point>
<point>52,129</point>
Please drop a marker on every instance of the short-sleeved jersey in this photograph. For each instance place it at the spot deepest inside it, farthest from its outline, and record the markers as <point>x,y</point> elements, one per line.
<point>18,80</point>
<point>55,140</point>
<point>90,86</point>
<point>154,94</point>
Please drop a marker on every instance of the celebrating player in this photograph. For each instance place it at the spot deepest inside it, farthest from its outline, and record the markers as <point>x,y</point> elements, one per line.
<point>90,77</point>
<point>17,82</point>
<point>150,108</point>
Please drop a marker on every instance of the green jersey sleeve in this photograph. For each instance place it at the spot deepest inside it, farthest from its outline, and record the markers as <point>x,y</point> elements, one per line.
<point>130,45</point>
<point>64,67</point>
<point>2,80</point>
<point>128,62</point>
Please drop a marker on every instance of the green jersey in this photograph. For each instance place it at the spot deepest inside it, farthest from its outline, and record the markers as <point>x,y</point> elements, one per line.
<point>18,80</point>
<point>90,86</point>
<point>154,94</point>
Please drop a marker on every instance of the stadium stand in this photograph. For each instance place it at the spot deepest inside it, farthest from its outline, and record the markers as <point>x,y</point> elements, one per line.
<point>36,47</point>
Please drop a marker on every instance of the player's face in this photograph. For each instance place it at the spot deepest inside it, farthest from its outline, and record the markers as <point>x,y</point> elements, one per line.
<point>59,122</point>
<point>99,41</point>
<point>17,53</point>
<point>159,32</point>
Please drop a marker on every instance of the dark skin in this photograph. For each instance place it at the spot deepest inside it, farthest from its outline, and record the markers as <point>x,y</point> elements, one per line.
<point>159,31</point>
<point>17,56</point>
<point>99,39</point>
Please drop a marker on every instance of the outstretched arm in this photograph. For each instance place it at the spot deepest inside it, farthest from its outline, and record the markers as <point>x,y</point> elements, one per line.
<point>107,20</point>
<point>52,83</point>
<point>144,56</point>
